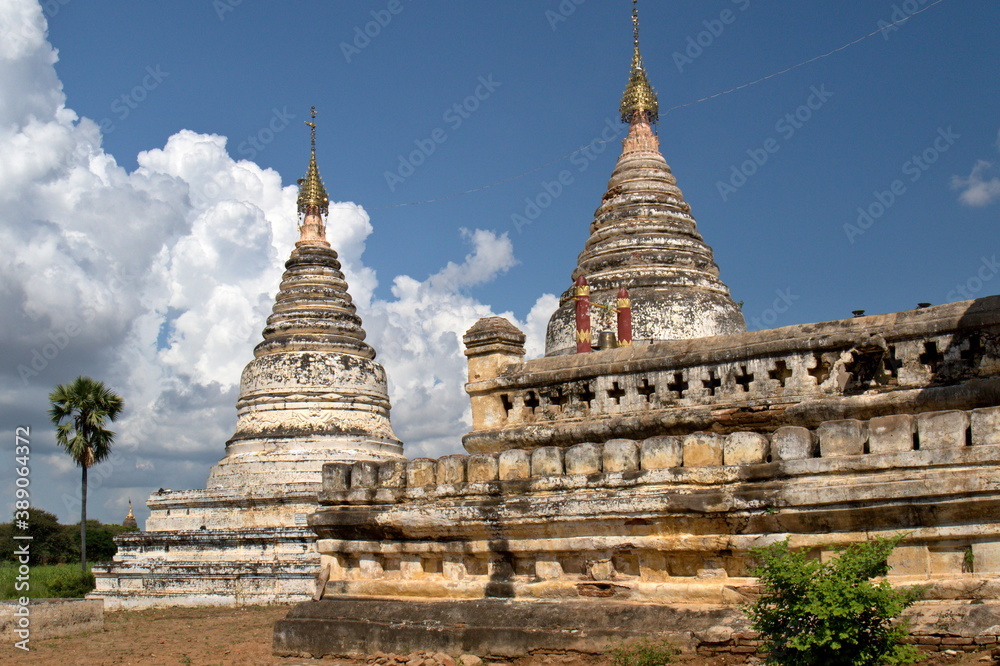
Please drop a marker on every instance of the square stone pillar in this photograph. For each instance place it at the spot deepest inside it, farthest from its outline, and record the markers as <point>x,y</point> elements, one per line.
<point>491,345</point>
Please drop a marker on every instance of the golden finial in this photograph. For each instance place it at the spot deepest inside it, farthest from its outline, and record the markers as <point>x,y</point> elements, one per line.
<point>639,95</point>
<point>312,194</point>
<point>130,514</point>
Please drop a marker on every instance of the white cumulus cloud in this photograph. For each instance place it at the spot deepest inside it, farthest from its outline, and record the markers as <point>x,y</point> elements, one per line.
<point>982,186</point>
<point>158,282</point>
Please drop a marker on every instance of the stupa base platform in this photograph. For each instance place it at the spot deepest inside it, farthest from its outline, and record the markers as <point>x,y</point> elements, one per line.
<point>356,626</point>
<point>232,567</point>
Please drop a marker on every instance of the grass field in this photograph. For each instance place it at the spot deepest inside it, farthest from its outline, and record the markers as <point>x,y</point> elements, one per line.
<point>57,580</point>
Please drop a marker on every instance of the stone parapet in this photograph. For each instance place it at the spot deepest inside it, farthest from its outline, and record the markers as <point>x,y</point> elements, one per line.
<point>700,457</point>
<point>668,519</point>
<point>937,358</point>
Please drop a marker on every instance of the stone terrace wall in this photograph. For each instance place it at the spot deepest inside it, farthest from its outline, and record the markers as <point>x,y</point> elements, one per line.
<point>936,358</point>
<point>51,618</point>
<point>670,519</point>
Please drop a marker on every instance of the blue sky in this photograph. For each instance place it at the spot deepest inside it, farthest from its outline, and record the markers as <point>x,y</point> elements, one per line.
<point>902,125</point>
<point>559,81</point>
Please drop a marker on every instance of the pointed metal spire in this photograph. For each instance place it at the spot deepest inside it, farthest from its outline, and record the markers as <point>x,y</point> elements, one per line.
<point>312,194</point>
<point>639,96</point>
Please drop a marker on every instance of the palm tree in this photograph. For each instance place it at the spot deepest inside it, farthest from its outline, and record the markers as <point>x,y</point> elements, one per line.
<point>80,411</point>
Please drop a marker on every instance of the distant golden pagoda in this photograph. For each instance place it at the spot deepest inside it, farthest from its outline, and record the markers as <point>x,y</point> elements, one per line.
<point>130,518</point>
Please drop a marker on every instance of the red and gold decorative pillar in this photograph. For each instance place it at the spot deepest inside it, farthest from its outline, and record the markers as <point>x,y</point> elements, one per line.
<point>584,337</point>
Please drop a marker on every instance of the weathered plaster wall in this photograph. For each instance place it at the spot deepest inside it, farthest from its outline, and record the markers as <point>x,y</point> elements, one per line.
<point>942,357</point>
<point>670,519</point>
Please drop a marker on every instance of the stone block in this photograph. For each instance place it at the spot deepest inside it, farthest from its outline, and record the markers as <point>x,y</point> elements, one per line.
<point>661,452</point>
<point>336,477</point>
<point>421,472</point>
<point>986,557</point>
<point>985,426</point>
<point>620,455</point>
<point>548,569</point>
<point>583,459</point>
<point>745,448</point>
<point>370,565</point>
<point>547,461</point>
<point>481,467</point>
<point>410,567</point>
<point>453,567</point>
<point>364,474</point>
<point>841,438</point>
<point>601,570</point>
<point>890,434</point>
<point>702,449</point>
<point>910,560</point>
<point>392,474</point>
<point>942,430</point>
<point>792,443</point>
<point>514,464</point>
<point>451,469</point>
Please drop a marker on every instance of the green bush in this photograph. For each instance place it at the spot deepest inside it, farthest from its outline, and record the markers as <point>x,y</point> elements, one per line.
<point>71,585</point>
<point>814,614</point>
<point>644,652</point>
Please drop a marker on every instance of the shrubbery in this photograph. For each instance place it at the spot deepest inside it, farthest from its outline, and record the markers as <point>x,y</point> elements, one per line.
<point>644,652</point>
<point>53,543</point>
<point>815,614</point>
<point>72,584</point>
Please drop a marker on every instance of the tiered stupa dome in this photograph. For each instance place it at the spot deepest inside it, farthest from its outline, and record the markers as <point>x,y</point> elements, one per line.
<point>313,393</point>
<point>644,238</point>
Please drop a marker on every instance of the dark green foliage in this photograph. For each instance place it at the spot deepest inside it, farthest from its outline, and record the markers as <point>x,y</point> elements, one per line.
<point>833,614</point>
<point>644,652</point>
<point>53,543</point>
<point>79,410</point>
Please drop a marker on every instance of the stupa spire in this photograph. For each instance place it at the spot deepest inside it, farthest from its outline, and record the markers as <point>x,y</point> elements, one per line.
<point>313,201</point>
<point>313,393</point>
<point>639,100</point>
<point>644,238</point>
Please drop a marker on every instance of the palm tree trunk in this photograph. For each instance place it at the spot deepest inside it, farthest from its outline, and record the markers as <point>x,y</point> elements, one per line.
<point>83,525</point>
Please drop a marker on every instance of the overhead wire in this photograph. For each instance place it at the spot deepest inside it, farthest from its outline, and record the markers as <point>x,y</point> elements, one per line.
<point>596,142</point>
